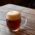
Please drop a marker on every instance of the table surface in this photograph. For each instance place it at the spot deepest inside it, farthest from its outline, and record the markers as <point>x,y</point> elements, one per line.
<point>28,13</point>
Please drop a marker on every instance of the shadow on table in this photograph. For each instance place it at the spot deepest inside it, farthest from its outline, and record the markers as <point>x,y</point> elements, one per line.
<point>26,3</point>
<point>21,32</point>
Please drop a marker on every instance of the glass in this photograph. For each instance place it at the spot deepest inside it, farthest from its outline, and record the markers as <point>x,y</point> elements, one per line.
<point>13,20</point>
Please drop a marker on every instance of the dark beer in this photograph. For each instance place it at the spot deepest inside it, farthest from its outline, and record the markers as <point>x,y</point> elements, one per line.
<point>13,20</point>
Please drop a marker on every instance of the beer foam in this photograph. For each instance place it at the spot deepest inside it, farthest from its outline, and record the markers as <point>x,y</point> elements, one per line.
<point>13,15</point>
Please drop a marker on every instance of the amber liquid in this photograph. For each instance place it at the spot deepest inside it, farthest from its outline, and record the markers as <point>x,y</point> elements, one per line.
<point>13,24</point>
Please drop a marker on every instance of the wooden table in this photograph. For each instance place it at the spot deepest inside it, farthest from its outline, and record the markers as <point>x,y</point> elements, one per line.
<point>28,13</point>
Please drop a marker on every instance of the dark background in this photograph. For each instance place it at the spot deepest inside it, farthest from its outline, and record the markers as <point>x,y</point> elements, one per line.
<point>26,3</point>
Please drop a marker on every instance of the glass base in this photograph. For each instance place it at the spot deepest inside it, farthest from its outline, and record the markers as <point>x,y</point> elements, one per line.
<point>15,30</point>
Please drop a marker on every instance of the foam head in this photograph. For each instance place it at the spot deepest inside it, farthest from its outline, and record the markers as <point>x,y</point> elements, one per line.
<point>13,15</point>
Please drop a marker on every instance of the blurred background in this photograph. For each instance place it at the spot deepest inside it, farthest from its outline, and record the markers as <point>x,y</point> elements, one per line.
<point>26,3</point>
